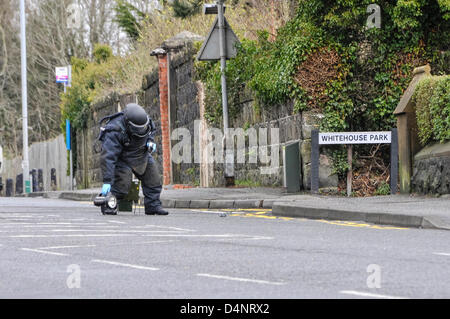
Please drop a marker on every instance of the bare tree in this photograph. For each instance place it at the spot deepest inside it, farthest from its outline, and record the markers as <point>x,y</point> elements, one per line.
<point>49,44</point>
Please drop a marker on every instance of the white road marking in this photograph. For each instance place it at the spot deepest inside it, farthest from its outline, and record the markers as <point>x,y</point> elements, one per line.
<point>367,294</point>
<point>74,235</point>
<point>108,245</point>
<point>63,247</point>
<point>44,252</point>
<point>442,254</point>
<point>70,226</point>
<point>210,211</point>
<point>122,264</point>
<point>168,227</point>
<point>256,281</point>
<point>202,236</point>
<point>114,230</point>
<point>116,222</point>
<point>250,238</point>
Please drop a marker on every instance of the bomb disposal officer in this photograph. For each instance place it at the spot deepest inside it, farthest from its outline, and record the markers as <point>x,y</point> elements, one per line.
<point>127,143</point>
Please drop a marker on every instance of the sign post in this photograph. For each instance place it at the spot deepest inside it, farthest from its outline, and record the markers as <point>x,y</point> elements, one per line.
<point>69,148</point>
<point>349,138</point>
<point>221,45</point>
<point>23,58</point>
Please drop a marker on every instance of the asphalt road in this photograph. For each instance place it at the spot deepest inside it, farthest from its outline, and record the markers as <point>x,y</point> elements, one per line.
<point>66,249</point>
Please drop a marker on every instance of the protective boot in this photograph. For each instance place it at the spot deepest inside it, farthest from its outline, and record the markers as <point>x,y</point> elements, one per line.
<point>158,210</point>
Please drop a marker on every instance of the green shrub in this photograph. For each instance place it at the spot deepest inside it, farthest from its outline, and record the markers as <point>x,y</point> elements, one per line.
<point>383,189</point>
<point>371,68</point>
<point>432,99</point>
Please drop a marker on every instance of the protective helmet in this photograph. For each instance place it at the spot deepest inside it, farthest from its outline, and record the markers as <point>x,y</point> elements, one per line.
<point>137,120</point>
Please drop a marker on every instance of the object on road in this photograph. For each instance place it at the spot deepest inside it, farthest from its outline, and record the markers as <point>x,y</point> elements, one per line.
<point>107,203</point>
<point>126,204</point>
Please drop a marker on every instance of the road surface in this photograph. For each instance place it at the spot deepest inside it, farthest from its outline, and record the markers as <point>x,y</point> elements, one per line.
<point>66,249</point>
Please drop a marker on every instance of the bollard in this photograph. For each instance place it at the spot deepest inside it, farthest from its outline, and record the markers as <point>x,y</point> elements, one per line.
<point>34,181</point>
<point>19,184</point>
<point>53,184</point>
<point>40,179</point>
<point>1,185</point>
<point>9,187</point>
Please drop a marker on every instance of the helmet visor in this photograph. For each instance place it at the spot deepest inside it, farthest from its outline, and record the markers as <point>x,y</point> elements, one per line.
<point>139,130</point>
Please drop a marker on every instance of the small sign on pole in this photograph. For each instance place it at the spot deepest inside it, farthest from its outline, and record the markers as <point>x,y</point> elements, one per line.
<point>62,74</point>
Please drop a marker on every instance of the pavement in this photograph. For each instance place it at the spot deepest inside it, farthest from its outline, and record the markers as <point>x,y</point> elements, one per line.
<point>397,210</point>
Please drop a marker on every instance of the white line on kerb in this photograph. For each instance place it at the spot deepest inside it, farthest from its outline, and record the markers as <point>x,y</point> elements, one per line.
<point>122,264</point>
<point>44,252</point>
<point>367,294</point>
<point>442,254</point>
<point>256,281</point>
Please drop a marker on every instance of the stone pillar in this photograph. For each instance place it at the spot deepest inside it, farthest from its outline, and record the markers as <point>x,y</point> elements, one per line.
<point>408,141</point>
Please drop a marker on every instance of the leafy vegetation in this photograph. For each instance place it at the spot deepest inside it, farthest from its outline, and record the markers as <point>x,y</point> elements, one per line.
<point>326,59</point>
<point>432,99</point>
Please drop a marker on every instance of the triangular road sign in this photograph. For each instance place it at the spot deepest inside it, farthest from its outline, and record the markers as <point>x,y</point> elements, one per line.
<point>211,50</point>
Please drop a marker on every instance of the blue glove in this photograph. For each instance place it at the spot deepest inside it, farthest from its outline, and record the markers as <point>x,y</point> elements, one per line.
<point>106,189</point>
<point>151,147</point>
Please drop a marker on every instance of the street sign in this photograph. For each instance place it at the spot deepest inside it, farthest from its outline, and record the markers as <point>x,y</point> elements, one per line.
<point>354,138</point>
<point>62,74</point>
<point>210,50</point>
<point>317,139</point>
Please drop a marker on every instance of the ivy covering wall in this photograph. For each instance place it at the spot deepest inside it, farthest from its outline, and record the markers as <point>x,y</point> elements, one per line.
<point>326,59</point>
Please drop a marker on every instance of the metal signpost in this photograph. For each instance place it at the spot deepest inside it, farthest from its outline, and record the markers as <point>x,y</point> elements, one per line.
<point>349,138</point>
<point>221,45</point>
<point>23,58</point>
<point>69,148</point>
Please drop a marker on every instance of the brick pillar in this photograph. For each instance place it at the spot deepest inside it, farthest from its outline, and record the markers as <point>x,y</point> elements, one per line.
<point>165,120</point>
<point>273,28</point>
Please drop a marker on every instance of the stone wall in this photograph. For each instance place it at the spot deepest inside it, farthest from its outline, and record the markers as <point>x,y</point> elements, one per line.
<point>292,128</point>
<point>186,106</point>
<point>431,170</point>
<point>88,172</point>
<point>184,109</point>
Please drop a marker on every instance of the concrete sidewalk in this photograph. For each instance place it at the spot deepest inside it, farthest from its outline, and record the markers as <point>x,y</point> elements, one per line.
<point>398,210</point>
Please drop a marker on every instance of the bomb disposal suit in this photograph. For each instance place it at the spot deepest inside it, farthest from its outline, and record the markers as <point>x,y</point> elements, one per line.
<point>127,143</point>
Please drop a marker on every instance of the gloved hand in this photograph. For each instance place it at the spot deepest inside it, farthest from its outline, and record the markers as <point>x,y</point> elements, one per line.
<point>151,147</point>
<point>106,189</point>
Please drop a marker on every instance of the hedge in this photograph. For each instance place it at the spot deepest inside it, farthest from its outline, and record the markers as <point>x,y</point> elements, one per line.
<point>432,99</point>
